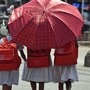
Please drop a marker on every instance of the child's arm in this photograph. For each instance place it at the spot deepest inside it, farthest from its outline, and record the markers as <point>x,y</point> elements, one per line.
<point>20,48</point>
<point>22,55</point>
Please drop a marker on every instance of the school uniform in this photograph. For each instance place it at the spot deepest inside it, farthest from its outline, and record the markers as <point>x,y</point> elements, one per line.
<point>9,77</point>
<point>37,74</point>
<point>65,64</point>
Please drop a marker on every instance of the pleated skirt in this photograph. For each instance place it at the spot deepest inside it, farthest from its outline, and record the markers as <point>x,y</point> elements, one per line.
<point>63,73</point>
<point>9,77</point>
<point>37,74</point>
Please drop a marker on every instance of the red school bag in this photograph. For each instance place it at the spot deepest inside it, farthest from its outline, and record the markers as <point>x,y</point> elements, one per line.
<point>9,59</point>
<point>38,58</point>
<point>68,56</point>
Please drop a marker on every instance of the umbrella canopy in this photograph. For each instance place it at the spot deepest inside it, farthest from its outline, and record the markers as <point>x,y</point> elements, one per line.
<point>43,24</point>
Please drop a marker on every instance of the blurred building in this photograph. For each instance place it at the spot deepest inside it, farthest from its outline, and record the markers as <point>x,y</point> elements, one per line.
<point>10,2</point>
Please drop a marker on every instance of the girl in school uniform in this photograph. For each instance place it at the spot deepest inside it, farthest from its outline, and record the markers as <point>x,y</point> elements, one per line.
<point>64,71</point>
<point>10,77</point>
<point>38,74</point>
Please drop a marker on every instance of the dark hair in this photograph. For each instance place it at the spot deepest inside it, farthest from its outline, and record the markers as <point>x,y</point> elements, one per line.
<point>16,4</point>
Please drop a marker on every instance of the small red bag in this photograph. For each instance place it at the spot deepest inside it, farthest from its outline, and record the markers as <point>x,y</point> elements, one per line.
<point>12,64</point>
<point>6,54</point>
<point>9,59</point>
<point>38,59</point>
<point>37,62</point>
<point>69,58</point>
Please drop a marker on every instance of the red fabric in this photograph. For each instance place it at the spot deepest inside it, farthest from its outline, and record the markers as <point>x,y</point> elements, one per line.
<point>6,54</point>
<point>8,67</point>
<point>7,49</point>
<point>38,58</point>
<point>38,62</point>
<point>9,59</point>
<point>68,57</point>
<point>45,24</point>
<point>12,64</point>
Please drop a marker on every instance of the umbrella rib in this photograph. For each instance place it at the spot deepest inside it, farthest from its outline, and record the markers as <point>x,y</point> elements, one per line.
<point>68,9</point>
<point>65,12</point>
<point>56,16</point>
<point>53,30</point>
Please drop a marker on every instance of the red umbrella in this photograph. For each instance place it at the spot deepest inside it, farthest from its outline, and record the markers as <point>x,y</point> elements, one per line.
<point>43,24</point>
